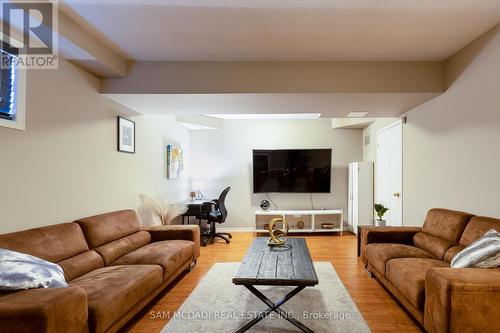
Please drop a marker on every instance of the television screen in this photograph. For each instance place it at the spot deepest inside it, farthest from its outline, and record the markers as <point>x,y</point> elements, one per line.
<point>292,170</point>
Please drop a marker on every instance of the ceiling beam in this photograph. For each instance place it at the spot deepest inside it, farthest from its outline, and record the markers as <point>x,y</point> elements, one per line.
<point>278,77</point>
<point>81,47</point>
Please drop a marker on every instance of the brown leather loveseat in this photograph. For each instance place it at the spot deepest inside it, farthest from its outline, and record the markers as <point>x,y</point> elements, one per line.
<point>413,263</point>
<point>113,268</point>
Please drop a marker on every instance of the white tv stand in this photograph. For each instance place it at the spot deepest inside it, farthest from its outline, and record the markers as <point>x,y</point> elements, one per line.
<point>312,219</point>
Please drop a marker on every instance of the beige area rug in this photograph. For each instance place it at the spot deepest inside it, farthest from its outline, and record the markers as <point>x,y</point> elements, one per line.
<point>217,305</point>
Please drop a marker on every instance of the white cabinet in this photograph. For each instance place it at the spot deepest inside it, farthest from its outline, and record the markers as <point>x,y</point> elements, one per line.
<point>302,220</point>
<point>360,195</point>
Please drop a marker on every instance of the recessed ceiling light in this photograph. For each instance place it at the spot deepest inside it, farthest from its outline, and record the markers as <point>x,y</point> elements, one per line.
<point>268,116</point>
<point>357,114</point>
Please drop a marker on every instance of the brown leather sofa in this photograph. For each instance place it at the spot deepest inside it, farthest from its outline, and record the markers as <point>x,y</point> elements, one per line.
<point>113,268</point>
<point>413,263</point>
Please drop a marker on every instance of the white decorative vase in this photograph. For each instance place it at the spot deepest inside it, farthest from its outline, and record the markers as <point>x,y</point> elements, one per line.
<point>379,223</point>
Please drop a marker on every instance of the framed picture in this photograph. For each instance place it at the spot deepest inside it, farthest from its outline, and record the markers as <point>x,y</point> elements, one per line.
<point>126,135</point>
<point>175,162</point>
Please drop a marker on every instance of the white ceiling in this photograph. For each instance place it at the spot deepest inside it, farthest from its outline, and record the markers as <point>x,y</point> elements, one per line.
<point>312,30</point>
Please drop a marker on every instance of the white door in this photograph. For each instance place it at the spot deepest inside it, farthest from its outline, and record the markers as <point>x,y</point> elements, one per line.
<point>355,196</point>
<point>352,204</point>
<point>389,182</point>
<point>349,197</point>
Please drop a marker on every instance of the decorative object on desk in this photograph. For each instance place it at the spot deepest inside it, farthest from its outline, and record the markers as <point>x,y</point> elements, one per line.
<point>198,185</point>
<point>380,210</point>
<point>174,162</point>
<point>160,208</point>
<point>264,205</point>
<point>300,224</point>
<point>199,195</point>
<point>327,226</point>
<point>192,195</point>
<point>278,236</point>
<point>126,135</point>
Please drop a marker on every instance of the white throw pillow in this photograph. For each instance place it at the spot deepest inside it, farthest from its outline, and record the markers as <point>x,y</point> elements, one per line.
<point>23,271</point>
<point>483,253</point>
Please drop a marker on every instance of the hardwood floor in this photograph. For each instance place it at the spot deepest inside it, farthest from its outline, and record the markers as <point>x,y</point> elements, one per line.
<point>380,311</point>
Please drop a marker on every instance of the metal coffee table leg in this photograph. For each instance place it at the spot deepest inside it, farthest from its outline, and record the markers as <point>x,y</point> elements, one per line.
<point>274,307</point>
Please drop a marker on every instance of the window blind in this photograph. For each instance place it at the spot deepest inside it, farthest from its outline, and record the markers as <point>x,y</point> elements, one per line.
<point>7,86</point>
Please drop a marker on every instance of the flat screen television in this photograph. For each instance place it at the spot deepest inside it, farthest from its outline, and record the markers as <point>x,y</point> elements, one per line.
<point>292,170</point>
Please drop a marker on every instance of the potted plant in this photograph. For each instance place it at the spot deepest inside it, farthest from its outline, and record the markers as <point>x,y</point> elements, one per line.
<point>380,210</point>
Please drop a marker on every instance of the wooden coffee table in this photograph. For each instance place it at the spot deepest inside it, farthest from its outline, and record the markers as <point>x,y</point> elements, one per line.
<point>287,265</point>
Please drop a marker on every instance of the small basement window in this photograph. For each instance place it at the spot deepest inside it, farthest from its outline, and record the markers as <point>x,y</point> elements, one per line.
<point>12,92</point>
<point>7,87</point>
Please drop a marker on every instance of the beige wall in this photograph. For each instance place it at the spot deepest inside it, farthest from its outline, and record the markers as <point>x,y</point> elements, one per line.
<point>452,143</point>
<point>65,165</point>
<point>224,158</point>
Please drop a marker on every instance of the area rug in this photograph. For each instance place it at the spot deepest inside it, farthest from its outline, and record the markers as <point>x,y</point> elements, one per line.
<point>217,305</point>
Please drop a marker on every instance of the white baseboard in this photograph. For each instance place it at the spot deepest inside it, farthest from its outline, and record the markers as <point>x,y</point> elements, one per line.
<point>234,229</point>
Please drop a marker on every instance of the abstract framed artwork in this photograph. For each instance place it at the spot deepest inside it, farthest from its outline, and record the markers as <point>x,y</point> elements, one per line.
<point>126,135</point>
<point>175,162</point>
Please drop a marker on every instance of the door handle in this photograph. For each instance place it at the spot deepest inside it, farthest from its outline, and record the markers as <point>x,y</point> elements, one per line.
<point>397,194</point>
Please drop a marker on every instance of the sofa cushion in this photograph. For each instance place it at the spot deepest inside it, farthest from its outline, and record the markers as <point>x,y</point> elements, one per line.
<point>53,243</point>
<point>477,227</point>
<point>378,254</point>
<point>120,247</point>
<point>446,224</point>
<point>408,276</point>
<point>452,252</point>
<point>81,264</point>
<point>113,291</point>
<point>105,228</point>
<point>432,244</point>
<point>170,255</point>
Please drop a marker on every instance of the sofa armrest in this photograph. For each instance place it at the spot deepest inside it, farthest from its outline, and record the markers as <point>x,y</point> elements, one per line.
<point>44,310</point>
<point>462,300</point>
<point>170,232</point>
<point>371,234</point>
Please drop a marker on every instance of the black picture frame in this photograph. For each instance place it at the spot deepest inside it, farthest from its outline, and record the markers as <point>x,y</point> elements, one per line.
<point>123,136</point>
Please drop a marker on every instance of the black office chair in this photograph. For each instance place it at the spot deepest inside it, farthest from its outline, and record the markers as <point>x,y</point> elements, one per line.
<point>217,215</point>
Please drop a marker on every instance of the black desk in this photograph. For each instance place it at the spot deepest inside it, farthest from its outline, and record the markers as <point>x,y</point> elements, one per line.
<point>197,209</point>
